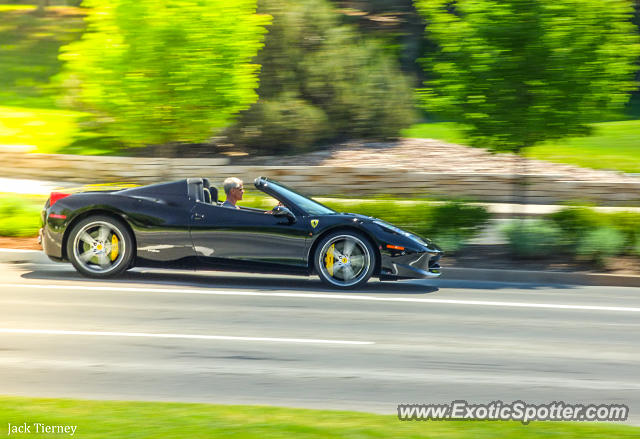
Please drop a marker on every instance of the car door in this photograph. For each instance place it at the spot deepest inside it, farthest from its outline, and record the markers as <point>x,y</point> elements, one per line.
<point>222,234</point>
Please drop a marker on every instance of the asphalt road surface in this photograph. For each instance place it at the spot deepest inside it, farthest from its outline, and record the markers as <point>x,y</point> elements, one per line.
<point>254,339</point>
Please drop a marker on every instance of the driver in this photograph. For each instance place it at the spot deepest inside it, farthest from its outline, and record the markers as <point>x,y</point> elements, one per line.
<point>234,189</point>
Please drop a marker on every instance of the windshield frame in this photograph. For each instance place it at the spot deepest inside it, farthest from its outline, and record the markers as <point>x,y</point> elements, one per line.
<point>302,204</point>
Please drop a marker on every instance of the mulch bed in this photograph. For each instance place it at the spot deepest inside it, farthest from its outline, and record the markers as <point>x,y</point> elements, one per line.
<point>498,257</point>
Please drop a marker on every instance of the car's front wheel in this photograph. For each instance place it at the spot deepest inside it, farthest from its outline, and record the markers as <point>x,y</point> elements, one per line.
<point>100,246</point>
<point>344,259</point>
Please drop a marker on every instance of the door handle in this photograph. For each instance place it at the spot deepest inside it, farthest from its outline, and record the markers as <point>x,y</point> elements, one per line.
<point>198,216</point>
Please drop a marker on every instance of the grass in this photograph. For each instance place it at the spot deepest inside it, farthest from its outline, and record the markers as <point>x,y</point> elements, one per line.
<point>41,130</point>
<point>110,419</point>
<point>20,216</point>
<point>612,145</point>
<point>445,131</point>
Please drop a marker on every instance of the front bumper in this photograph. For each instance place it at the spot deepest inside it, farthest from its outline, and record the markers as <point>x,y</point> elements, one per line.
<point>413,265</point>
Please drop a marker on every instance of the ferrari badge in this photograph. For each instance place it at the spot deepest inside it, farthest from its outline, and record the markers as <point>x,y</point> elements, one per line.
<point>314,223</point>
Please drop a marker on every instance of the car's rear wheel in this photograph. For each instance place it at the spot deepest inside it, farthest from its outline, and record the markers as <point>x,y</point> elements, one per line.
<point>100,246</point>
<point>344,259</point>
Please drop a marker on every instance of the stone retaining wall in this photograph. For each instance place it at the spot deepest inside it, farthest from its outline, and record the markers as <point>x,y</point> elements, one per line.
<point>320,180</point>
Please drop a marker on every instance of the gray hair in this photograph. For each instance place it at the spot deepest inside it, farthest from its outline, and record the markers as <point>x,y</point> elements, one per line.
<point>230,183</point>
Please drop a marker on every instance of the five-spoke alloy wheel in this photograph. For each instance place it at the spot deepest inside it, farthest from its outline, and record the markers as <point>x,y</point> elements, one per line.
<point>100,246</point>
<point>344,259</point>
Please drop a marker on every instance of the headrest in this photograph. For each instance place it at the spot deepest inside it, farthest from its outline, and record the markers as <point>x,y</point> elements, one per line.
<point>213,192</point>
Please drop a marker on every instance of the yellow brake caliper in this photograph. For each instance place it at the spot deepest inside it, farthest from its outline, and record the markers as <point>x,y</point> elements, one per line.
<point>114,247</point>
<point>328,260</point>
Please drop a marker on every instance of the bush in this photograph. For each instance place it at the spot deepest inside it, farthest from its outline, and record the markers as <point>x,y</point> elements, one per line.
<point>576,221</point>
<point>321,81</point>
<point>627,223</point>
<point>18,217</point>
<point>600,244</point>
<point>636,248</point>
<point>533,239</point>
<point>282,125</point>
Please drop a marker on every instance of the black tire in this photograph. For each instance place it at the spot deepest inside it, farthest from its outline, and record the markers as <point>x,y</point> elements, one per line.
<point>100,246</point>
<point>351,266</point>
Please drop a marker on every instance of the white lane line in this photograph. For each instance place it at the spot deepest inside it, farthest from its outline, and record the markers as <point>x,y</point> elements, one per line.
<point>187,336</point>
<point>355,296</point>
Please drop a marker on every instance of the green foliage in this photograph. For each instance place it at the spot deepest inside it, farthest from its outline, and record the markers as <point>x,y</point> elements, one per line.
<point>599,244</point>
<point>628,224</point>
<point>29,47</point>
<point>281,125</point>
<point>581,226</point>
<point>576,221</point>
<point>323,81</point>
<point>533,239</point>
<point>165,72</point>
<point>636,248</point>
<point>19,217</point>
<point>520,72</point>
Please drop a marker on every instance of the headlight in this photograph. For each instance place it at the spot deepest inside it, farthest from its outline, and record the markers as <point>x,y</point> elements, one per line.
<point>389,228</point>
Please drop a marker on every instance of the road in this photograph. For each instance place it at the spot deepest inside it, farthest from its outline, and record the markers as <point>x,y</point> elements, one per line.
<point>252,339</point>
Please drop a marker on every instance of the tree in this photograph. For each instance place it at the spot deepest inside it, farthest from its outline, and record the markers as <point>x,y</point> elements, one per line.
<point>519,72</point>
<point>161,72</point>
<point>321,80</point>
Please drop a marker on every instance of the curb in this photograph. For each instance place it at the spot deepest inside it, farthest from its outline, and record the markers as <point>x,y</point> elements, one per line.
<point>454,273</point>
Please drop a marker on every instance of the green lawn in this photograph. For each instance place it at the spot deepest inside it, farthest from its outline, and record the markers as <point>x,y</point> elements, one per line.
<point>37,129</point>
<point>613,145</point>
<point>97,419</point>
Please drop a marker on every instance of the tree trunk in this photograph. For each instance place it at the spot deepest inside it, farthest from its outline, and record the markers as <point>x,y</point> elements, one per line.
<point>519,196</point>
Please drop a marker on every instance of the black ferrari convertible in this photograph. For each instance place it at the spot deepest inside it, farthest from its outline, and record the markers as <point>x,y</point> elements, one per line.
<point>182,224</point>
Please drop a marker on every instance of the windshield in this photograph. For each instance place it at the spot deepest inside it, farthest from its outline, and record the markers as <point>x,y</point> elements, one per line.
<point>308,205</point>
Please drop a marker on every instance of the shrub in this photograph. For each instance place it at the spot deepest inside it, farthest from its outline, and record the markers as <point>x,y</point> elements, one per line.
<point>636,247</point>
<point>600,244</point>
<point>18,217</point>
<point>450,242</point>
<point>533,239</point>
<point>456,215</point>
<point>320,81</point>
<point>627,223</point>
<point>576,221</point>
<point>282,125</point>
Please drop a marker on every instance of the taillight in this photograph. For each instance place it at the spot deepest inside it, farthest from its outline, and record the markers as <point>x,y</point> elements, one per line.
<point>55,196</point>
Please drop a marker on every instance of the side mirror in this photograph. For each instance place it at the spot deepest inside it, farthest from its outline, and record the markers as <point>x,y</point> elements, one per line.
<point>283,212</point>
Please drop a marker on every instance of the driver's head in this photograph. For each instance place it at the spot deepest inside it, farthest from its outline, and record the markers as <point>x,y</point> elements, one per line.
<point>233,186</point>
